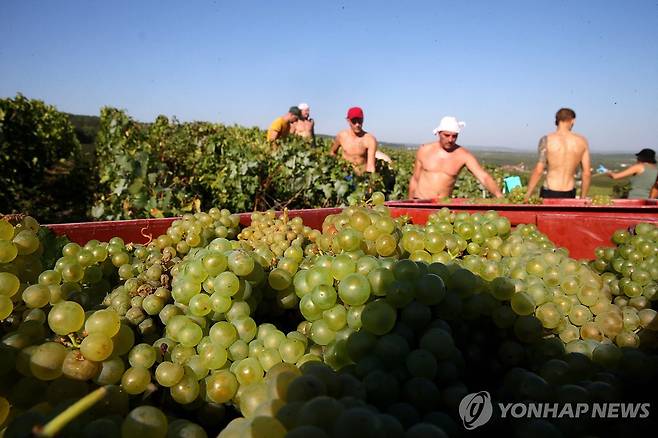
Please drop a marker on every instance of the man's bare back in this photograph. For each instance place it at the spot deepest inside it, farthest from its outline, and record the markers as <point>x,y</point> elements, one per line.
<point>564,153</point>
<point>560,154</point>
<point>358,149</point>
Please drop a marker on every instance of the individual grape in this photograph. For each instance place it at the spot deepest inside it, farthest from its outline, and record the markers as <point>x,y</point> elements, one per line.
<point>26,242</point>
<point>291,350</point>
<point>135,380</point>
<point>144,421</point>
<point>189,335</point>
<point>221,386</point>
<point>46,361</point>
<point>354,289</point>
<point>123,341</point>
<point>9,284</point>
<point>549,315</point>
<point>6,307</point>
<point>223,333</point>
<point>185,429</point>
<point>378,317</point>
<point>579,315</point>
<point>321,334</point>
<point>105,321</point>
<point>8,251</point>
<point>240,263</point>
<point>324,296</point>
<point>200,305</point>
<point>196,366</point>
<point>111,371</point>
<point>168,373</point>
<point>335,317</point>
<point>310,311</point>
<point>6,231</point>
<point>96,347</point>
<point>246,328</point>
<point>36,296</point>
<point>78,368</point>
<point>238,350</point>
<point>186,390</point>
<point>214,356</point>
<point>248,371</point>
<point>523,304</point>
<point>143,355</point>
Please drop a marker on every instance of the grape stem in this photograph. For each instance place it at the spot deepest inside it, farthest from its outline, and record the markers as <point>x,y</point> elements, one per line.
<point>54,426</point>
<point>74,341</point>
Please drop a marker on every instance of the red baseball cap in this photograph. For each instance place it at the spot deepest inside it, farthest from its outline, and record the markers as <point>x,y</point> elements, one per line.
<point>355,113</point>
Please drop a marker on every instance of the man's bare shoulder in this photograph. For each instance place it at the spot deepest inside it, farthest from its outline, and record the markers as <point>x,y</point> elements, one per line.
<point>370,138</point>
<point>463,154</point>
<point>342,133</point>
<point>425,149</point>
<point>580,137</point>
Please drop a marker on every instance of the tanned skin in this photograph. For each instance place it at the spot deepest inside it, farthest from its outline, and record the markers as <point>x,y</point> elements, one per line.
<point>560,153</point>
<point>438,164</point>
<point>358,147</point>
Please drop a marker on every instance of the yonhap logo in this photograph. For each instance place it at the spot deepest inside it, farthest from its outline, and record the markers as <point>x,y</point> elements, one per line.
<point>475,409</point>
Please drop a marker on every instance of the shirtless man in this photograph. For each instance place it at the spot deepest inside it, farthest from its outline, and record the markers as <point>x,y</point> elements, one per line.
<point>439,163</point>
<point>561,152</point>
<point>305,125</point>
<point>359,147</point>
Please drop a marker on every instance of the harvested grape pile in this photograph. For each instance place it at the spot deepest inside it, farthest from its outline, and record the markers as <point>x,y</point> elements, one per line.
<point>370,327</point>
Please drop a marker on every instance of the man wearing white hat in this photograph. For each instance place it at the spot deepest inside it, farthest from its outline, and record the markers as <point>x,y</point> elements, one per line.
<point>439,163</point>
<point>305,125</point>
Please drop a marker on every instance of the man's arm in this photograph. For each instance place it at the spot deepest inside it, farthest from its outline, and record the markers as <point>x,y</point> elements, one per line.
<point>587,172</point>
<point>274,132</point>
<point>371,151</point>
<point>313,132</point>
<point>334,146</point>
<point>635,168</point>
<point>482,175</point>
<point>413,183</point>
<point>538,171</point>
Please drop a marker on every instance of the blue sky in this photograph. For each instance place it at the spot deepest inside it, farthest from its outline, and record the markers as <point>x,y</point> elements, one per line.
<point>504,67</point>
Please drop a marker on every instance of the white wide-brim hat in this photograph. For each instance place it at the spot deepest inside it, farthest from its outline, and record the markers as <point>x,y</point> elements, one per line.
<point>450,124</point>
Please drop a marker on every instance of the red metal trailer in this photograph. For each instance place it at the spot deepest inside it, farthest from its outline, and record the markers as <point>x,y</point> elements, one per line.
<point>575,224</point>
<point>569,223</point>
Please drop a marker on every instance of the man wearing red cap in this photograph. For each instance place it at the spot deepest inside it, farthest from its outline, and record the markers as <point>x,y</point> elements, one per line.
<point>358,146</point>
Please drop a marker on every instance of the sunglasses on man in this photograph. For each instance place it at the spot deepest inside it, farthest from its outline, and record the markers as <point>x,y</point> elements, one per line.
<point>356,120</point>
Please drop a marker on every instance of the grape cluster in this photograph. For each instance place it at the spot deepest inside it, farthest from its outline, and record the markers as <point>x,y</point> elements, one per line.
<point>602,200</point>
<point>274,238</point>
<point>20,262</point>
<point>406,370</point>
<point>373,326</point>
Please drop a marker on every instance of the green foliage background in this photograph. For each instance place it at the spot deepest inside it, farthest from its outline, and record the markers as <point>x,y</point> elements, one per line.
<point>66,168</point>
<point>168,168</point>
<point>42,171</point>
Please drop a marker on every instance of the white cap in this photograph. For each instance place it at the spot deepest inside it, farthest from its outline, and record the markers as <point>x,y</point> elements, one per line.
<point>303,106</point>
<point>450,124</point>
